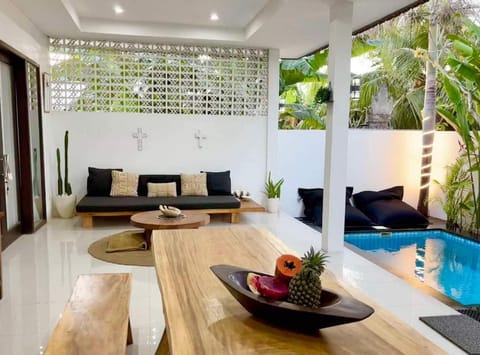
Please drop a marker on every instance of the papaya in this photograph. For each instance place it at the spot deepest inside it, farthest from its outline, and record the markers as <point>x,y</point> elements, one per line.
<point>287,266</point>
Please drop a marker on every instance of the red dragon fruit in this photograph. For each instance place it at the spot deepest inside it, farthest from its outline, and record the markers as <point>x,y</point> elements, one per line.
<point>272,288</point>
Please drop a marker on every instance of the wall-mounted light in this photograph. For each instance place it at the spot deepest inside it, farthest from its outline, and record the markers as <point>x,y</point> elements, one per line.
<point>355,89</point>
<point>118,9</point>
<point>214,16</point>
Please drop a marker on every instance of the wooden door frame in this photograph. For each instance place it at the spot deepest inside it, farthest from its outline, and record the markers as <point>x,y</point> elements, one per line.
<point>23,151</point>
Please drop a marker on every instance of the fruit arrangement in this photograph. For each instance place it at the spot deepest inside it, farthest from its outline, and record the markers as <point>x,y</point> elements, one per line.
<point>296,280</point>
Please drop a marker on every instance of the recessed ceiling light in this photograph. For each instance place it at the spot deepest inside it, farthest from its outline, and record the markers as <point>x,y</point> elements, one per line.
<point>214,16</point>
<point>118,9</point>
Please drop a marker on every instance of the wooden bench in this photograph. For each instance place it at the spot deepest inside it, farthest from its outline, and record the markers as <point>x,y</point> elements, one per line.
<point>234,213</point>
<point>96,318</point>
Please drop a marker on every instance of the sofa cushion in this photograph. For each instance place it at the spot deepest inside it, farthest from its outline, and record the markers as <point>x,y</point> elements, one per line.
<point>143,180</point>
<point>194,184</point>
<point>162,189</point>
<point>99,181</point>
<point>124,184</point>
<point>143,203</point>
<point>219,183</point>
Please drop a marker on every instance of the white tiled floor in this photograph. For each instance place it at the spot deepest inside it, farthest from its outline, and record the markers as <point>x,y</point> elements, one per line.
<point>39,271</point>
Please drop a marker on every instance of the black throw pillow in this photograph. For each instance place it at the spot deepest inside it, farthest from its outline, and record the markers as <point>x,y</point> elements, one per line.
<point>219,183</point>
<point>99,181</point>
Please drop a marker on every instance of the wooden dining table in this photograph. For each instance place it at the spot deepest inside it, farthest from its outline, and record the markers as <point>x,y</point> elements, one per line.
<point>202,317</point>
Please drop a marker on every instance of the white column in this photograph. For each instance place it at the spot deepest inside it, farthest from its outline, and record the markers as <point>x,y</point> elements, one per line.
<point>340,47</point>
<point>272,119</point>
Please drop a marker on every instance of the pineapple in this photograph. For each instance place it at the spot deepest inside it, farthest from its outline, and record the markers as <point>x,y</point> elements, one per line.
<point>305,288</point>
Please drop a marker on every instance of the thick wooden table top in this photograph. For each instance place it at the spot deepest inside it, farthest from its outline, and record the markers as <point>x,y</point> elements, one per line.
<point>151,220</point>
<point>203,318</point>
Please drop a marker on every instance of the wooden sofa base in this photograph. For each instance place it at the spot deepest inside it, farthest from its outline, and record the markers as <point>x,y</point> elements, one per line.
<point>233,213</point>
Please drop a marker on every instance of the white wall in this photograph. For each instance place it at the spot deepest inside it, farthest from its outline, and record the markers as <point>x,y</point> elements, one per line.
<point>17,31</point>
<point>377,159</point>
<point>105,140</point>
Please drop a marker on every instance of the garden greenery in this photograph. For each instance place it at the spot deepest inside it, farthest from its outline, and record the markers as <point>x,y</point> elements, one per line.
<point>461,82</point>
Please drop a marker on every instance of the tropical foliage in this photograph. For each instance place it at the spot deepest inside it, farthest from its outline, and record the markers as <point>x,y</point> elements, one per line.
<point>457,195</point>
<point>391,49</point>
<point>461,81</point>
<point>304,88</point>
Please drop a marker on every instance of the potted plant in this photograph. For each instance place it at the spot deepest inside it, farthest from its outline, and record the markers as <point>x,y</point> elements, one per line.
<point>272,190</point>
<point>65,201</point>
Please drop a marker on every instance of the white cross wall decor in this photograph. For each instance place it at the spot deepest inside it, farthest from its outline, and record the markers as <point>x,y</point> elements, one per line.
<point>200,138</point>
<point>139,136</point>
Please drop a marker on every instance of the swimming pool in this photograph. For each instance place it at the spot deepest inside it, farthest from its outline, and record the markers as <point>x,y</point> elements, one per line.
<point>443,261</point>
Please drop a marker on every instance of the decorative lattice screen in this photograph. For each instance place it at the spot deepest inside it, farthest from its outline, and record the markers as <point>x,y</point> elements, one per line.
<point>111,76</point>
<point>32,87</point>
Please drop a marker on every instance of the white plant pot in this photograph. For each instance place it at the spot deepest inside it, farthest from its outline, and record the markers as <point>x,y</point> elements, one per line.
<point>273,205</point>
<point>65,205</point>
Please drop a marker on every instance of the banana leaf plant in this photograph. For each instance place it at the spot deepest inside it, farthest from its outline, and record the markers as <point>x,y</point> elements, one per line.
<point>461,81</point>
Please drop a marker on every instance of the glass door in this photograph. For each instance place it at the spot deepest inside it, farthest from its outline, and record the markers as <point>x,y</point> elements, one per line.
<point>8,158</point>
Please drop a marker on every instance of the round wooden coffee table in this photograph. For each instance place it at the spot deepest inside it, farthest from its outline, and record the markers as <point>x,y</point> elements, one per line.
<point>153,220</point>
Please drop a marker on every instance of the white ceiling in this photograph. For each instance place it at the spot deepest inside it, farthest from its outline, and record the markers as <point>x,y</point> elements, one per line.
<point>296,27</point>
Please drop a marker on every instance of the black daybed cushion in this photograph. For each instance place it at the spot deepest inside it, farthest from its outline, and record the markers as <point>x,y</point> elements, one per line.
<point>354,218</point>
<point>313,197</point>
<point>143,181</point>
<point>386,208</point>
<point>99,181</point>
<point>143,203</point>
<point>363,198</point>
<point>219,183</point>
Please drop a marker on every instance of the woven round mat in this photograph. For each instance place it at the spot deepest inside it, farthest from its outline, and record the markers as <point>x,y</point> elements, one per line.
<point>137,257</point>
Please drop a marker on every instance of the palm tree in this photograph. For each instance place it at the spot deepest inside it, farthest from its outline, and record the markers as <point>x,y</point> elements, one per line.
<point>429,110</point>
<point>410,82</point>
<point>443,17</point>
<point>397,69</point>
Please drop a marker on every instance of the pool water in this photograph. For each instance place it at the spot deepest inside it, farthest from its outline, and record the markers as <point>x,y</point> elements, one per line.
<point>443,261</point>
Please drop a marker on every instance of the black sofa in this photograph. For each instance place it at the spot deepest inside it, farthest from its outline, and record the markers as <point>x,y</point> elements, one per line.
<point>98,201</point>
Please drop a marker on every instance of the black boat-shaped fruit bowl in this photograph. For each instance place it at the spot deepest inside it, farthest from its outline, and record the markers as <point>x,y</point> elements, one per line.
<point>335,309</point>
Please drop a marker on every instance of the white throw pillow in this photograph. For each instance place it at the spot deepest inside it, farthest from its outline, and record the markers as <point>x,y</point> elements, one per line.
<point>194,184</point>
<point>124,184</point>
<point>168,189</point>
